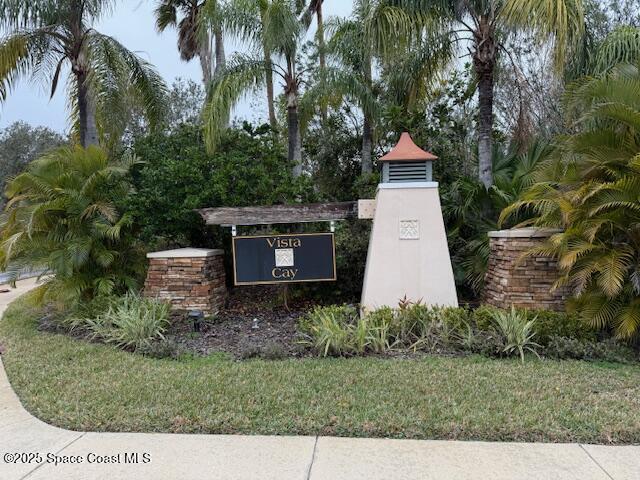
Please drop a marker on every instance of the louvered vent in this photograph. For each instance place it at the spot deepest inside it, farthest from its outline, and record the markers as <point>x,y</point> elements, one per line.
<point>408,172</point>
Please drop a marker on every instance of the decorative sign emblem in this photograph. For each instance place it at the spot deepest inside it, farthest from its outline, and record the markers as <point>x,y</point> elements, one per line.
<point>284,258</point>
<point>409,230</point>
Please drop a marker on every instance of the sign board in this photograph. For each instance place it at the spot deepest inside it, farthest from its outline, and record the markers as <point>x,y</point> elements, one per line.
<point>291,258</point>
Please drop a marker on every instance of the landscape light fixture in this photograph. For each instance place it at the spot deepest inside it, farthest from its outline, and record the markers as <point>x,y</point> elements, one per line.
<point>196,317</point>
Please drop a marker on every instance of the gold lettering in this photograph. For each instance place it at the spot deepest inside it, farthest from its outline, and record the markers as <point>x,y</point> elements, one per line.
<point>289,273</point>
<point>277,242</point>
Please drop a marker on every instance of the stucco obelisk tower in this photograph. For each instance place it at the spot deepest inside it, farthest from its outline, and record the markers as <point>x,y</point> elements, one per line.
<point>408,252</point>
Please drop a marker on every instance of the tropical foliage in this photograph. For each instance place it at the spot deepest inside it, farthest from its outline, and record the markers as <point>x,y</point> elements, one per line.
<point>487,25</point>
<point>275,27</point>
<point>45,37</point>
<point>130,322</point>
<point>178,175</point>
<point>589,188</point>
<point>342,95</point>
<point>414,327</point>
<point>193,32</point>
<point>61,219</point>
<point>517,332</point>
<point>471,210</point>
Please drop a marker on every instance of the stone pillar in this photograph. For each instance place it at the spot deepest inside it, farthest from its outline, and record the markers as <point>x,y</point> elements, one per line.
<point>408,255</point>
<point>188,278</point>
<point>523,281</point>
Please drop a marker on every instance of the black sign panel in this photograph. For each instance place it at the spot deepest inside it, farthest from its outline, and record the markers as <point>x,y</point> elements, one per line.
<point>306,257</point>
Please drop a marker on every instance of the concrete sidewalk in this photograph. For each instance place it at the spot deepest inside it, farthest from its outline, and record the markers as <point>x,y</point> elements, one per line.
<point>170,456</point>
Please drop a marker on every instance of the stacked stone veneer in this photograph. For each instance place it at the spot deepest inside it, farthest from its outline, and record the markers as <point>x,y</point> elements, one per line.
<point>188,278</point>
<point>523,281</point>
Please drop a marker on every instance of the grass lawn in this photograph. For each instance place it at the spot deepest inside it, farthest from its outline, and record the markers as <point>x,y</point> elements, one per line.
<point>84,386</point>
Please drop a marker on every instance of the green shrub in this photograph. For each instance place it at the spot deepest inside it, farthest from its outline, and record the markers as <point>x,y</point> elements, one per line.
<point>380,329</point>
<point>548,323</point>
<point>62,218</point>
<point>609,350</point>
<point>249,167</point>
<point>330,330</point>
<point>517,332</point>
<point>551,324</point>
<point>339,330</point>
<point>131,322</point>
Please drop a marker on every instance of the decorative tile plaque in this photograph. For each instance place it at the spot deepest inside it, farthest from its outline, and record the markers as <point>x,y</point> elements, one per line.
<point>284,257</point>
<point>409,230</point>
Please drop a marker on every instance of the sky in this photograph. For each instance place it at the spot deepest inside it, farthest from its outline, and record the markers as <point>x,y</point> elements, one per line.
<point>132,23</point>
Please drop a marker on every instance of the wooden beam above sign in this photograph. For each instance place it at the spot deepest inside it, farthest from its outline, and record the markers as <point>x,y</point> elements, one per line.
<point>267,215</point>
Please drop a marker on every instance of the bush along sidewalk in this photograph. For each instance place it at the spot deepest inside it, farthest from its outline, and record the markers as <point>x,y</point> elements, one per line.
<point>489,331</point>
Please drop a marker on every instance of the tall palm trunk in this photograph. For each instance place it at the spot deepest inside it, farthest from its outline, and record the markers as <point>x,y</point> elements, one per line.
<point>293,123</point>
<point>269,81</point>
<point>220,56</point>
<point>268,73</point>
<point>321,51</point>
<point>88,129</point>
<point>86,106</point>
<point>204,54</point>
<point>87,114</point>
<point>484,60</point>
<point>367,126</point>
<point>367,145</point>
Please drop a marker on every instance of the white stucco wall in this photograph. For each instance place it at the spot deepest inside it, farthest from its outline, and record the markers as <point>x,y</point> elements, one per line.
<point>420,268</point>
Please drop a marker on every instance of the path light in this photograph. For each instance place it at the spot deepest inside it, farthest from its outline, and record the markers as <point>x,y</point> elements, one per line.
<point>196,317</point>
<point>254,325</point>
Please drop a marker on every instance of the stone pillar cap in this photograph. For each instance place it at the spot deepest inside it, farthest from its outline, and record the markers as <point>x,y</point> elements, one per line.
<point>524,233</point>
<point>186,253</point>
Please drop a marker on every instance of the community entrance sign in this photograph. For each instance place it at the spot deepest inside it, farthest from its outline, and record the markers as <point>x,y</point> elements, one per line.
<point>408,256</point>
<point>290,258</point>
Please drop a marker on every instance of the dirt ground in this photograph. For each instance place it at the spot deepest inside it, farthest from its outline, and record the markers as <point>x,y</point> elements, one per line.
<point>254,324</point>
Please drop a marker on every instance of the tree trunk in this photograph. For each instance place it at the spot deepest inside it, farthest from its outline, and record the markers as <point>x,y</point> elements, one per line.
<point>204,55</point>
<point>293,124</point>
<point>366,165</point>
<point>269,81</point>
<point>484,60</point>
<point>220,56</point>
<point>268,73</point>
<point>321,53</point>
<point>86,111</point>
<point>485,128</point>
<point>367,143</point>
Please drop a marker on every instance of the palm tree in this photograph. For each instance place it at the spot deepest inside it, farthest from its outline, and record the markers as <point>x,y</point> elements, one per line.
<point>61,218</point>
<point>44,36</point>
<point>590,190</point>
<point>353,49</point>
<point>314,8</point>
<point>487,23</point>
<point>280,33</point>
<point>373,30</point>
<point>193,35</point>
<point>249,21</point>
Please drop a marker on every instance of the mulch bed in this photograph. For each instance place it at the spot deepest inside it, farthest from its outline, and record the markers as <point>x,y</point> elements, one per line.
<point>254,324</point>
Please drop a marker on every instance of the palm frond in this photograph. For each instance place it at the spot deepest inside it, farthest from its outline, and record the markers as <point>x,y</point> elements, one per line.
<point>242,73</point>
<point>622,45</point>
<point>118,77</point>
<point>559,20</point>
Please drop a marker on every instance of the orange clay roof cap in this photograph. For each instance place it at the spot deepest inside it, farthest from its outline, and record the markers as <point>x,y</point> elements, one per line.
<point>406,150</point>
